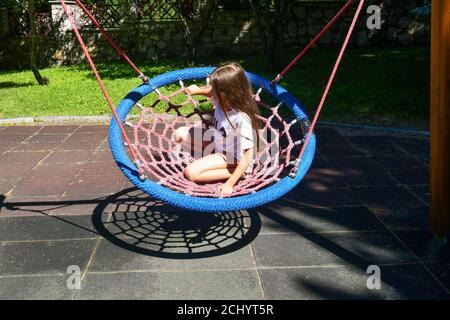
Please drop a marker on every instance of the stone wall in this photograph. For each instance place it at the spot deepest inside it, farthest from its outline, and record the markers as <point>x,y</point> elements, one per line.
<point>235,32</point>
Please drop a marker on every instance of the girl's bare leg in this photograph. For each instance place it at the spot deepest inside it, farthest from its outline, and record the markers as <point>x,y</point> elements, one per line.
<point>211,168</point>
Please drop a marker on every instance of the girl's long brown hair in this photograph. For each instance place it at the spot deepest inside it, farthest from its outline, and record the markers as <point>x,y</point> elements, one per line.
<point>233,90</point>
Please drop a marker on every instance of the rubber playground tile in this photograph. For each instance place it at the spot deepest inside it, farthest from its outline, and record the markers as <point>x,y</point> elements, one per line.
<point>7,184</point>
<point>441,271</point>
<point>41,138</point>
<point>81,142</point>
<point>45,257</point>
<point>402,282</point>
<point>387,197</point>
<point>422,244</point>
<point>380,148</point>
<point>111,257</point>
<point>398,162</point>
<point>325,249</point>
<point>302,197</point>
<point>423,192</point>
<point>412,176</point>
<point>93,129</point>
<point>95,185</point>
<point>46,228</point>
<point>13,138</point>
<point>22,157</point>
<point>103,167</point>
<point>102,155</point>
<point>59,129</point>
<point>25,206</point>
<point>56,170</point>
<point>51,186</point>
<point>68,156</point>
<point>326,131</point>
<point>211,285</point>
<point>37,146</point>
<point>35,288</point>
<point>15,171</point>
<point>323,178</point>
<point>29,130</point>
<point>280,218</point>
<point>6,146</point>
<point>366,175</point>
<point>337,150</point>
<point>416,146</point>
<point>403,219</point>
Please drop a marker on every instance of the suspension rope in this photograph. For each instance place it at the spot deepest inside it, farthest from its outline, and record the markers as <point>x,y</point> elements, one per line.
<point>327,88</point>
<point>111,41</point>
<point>306,49</point>
<point>97,76</point>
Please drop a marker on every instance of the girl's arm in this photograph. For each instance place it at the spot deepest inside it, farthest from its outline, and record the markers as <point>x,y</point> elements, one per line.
<point>227,187</point>
<point>196,90</point>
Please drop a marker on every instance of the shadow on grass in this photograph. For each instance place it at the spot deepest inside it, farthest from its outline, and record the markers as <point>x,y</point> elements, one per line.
<point>12,84</point>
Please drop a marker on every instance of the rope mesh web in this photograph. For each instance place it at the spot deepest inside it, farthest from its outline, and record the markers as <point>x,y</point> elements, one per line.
<point>163,159</point>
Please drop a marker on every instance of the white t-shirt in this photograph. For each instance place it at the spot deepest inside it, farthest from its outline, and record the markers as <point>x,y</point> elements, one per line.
<point>233,135</point>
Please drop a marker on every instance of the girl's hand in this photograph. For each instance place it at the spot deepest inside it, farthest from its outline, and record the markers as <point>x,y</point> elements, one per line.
<point>192,89</point>
<point>226,189</point>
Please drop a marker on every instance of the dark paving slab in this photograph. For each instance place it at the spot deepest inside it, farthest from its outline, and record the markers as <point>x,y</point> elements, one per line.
<point>323,178</point>
<point>35,288</point>
<point>359,171</point>
<point>51,186</point>
<point>21,158</point>
<point>21,130</point>
<point>398,162</point>
<point>404,219</point>
<point>441,271</point>
<point>7,184</point>
<point>329,249</point>
<point>417,147</point>
<point>68,156</point>
<point>412,176</point>
<point>371,145</point>
<point>59,129</point>
<point>110,257</point>
<point>387,197</point>
<point>45,257</point>
<point>103,156</point>
<point>350,283</point>
<point>25,206</point>
<point>50,228</point>
<point>211,285</point>
<point>6,146</point>
<point>11,170</point>
<point>422,244</point>
<point>95,185</point>
<point>300,196</point>
<point>422,192</point>
<point>82,142</point>
<point>106,168</point>
<point>279,218</point>
<point>56,170</point>
<point>93,129</point>
<point>13,138</point>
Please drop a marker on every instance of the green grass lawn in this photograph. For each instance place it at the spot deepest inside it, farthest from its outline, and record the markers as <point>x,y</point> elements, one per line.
<point>374,86</point>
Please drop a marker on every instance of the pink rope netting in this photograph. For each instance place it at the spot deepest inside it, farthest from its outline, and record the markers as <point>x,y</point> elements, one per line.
<point>163,160</point>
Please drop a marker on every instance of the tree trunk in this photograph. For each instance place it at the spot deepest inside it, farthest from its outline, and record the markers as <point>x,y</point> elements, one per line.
<point>271,26</point>
<point>192,38</point>
<point>31,13</point>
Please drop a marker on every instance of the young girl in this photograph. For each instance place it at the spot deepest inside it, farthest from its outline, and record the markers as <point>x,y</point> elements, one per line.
<point>235,119</point>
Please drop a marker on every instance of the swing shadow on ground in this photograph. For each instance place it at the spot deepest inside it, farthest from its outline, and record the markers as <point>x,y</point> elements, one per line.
<point>134,221</point>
